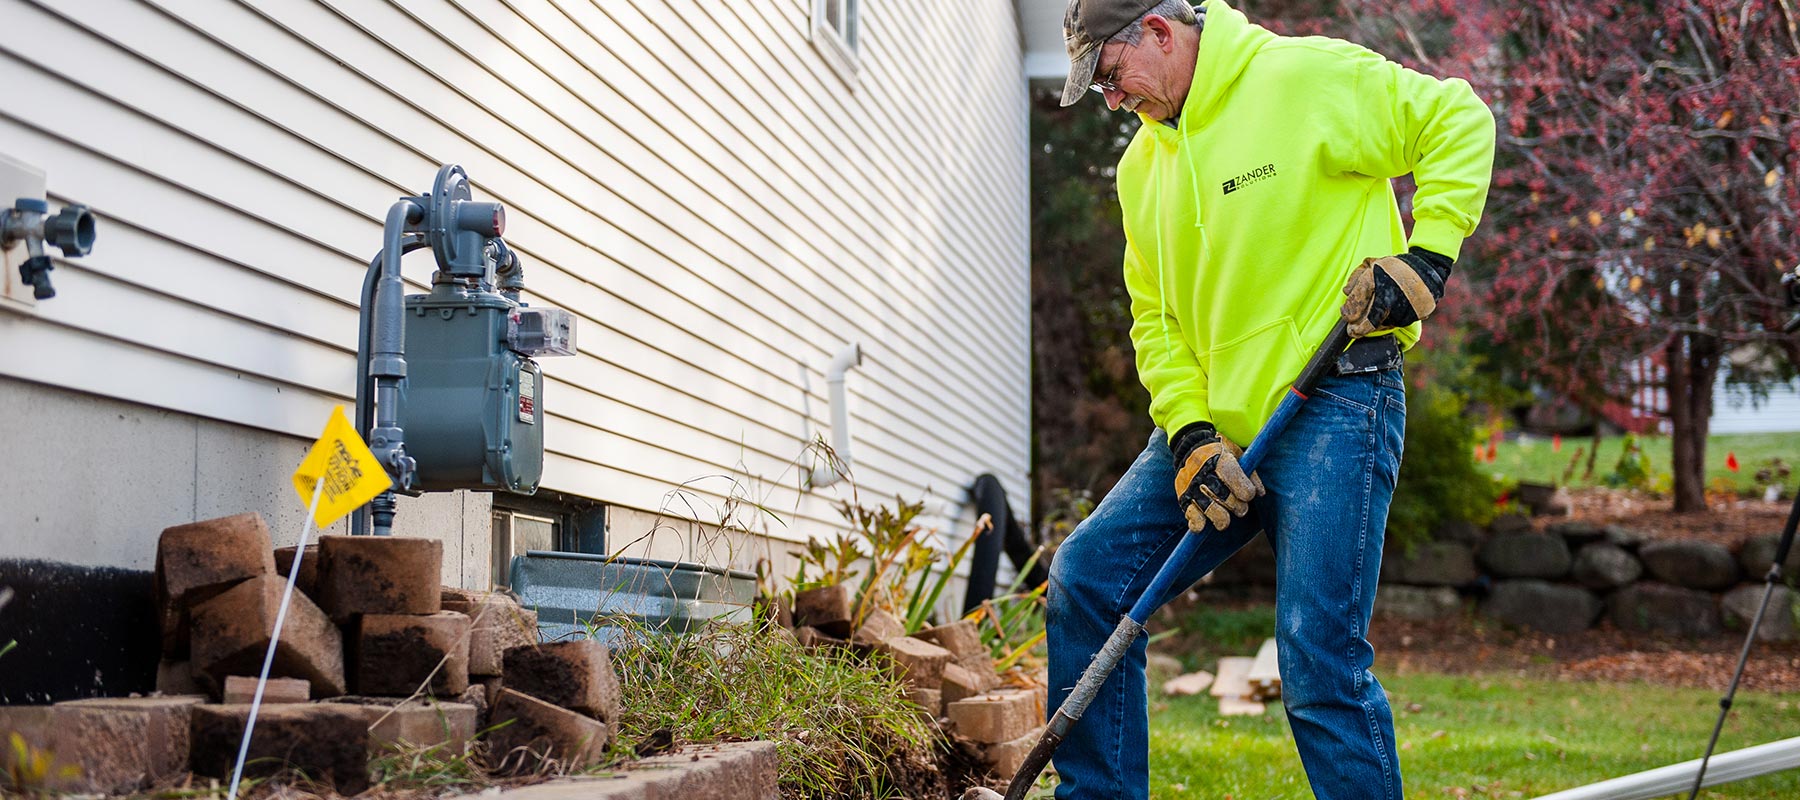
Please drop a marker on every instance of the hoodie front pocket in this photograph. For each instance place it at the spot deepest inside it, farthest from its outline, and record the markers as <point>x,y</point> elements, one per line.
<point>1242,385</point>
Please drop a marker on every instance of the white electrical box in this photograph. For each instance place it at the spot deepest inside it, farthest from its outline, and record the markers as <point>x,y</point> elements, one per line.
<point>17,180</point>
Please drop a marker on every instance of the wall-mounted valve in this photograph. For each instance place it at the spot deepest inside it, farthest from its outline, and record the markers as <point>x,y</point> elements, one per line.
<point>457,392</point>
<point>29,220</point>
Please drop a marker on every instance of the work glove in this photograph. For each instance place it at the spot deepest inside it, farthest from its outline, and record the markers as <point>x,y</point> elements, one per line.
<point>1212,487</point>
<point>1395,291</point>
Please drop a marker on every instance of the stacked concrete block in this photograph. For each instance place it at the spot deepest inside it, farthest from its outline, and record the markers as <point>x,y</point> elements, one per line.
<point>308,579</point>
<point>240,689</point>
<point>400,654</point>
<point>531,735</point>
<point>576,675</point>
<point>384,592</point>
<point>120,746</point>
<point>826,608</point>
<point>963,639</point>
<point>201,560</point>
<point>497,624</point>
<point>401,723</point>
<point>576,679</point>
<point>231,634</point>
<point>997,717</point>
<point>328,742</point>
<point>877,627</point>
<point>917,663</point>
<point>379,575</point>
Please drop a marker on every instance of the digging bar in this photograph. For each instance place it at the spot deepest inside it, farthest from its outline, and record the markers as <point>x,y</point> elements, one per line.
<point>1132,624</point>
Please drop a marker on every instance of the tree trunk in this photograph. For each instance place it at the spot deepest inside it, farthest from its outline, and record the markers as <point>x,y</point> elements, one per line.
<point>1693,364</point>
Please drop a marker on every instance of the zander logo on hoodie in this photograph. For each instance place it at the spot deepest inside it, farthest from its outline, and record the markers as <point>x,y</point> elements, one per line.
<point>1263,172</point>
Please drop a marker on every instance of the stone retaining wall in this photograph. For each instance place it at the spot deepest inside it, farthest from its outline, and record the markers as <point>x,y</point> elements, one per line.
<point>1564,577</point>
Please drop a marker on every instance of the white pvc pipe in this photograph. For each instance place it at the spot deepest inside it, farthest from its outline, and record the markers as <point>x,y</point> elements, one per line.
<point>850,356</point>
<point>1736,765</point>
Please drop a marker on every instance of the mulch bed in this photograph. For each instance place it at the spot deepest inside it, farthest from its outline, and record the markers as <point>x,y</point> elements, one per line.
<point>1728,522</point>
<point>1604,653</point>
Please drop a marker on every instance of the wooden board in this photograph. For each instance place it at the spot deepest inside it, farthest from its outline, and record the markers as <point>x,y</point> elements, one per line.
<point>1233,677</point>
<point>1265,672</point>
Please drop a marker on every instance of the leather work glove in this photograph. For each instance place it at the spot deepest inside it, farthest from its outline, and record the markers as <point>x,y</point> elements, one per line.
<point>1395,291</point>
<point>1212,487</point>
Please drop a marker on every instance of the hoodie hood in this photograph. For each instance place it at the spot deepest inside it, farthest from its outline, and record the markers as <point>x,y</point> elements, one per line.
<point>1227,43</point>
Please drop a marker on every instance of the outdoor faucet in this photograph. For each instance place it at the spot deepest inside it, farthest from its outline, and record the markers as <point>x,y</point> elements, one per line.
<point>71,230</point>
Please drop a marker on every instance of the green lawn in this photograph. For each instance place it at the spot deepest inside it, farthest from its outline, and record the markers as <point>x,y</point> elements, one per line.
<point>1533,458</point>
<point>1480,736</point>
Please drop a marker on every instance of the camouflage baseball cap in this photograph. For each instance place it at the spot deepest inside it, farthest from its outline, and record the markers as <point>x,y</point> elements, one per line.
<point>1086,26</point>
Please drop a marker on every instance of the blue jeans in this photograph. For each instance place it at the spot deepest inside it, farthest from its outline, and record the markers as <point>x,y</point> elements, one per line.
<point>1329,479</point>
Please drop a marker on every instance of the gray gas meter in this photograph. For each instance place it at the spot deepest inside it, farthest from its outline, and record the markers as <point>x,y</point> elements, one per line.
<point>458,394</point>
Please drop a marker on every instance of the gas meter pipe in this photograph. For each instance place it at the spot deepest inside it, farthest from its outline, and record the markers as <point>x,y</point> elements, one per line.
<point>365,417</point>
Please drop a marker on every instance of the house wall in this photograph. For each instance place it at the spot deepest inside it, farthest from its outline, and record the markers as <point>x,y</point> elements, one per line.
<point>720,207</point>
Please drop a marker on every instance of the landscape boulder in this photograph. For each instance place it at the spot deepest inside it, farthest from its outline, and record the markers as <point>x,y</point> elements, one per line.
<point>1431,564</point>
<point>1417,603</point>
<point>1605,566</point>
<point>1648,606</point>
<point>1460,531</point>
<point>1778,624</point>
<point>1526,555</point>
<point>1542,606</point>
<point>1690,563</point>
<point>1576,532</point>
<point>1759,552</point>
<point>1509,524</point>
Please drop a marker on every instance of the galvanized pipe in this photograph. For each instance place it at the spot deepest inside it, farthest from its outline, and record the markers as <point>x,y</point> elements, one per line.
<point>1737,765</point>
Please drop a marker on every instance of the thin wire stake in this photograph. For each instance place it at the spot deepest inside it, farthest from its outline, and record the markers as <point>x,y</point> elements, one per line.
<point>262,680</point>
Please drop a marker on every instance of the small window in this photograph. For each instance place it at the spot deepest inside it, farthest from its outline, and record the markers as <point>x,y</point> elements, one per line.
<point>836,28</point>
<point>546,521</point>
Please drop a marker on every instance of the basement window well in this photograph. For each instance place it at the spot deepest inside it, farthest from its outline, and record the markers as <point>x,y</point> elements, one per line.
<point>836,26</point>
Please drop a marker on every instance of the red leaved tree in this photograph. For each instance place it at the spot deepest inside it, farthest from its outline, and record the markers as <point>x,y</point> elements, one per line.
<point>1644,199</point>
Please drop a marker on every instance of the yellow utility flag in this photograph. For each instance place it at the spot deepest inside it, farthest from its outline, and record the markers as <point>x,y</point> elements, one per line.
<point>352,476</point>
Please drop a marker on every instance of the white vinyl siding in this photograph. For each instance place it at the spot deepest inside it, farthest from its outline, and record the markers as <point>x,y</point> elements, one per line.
<point>690,179</point>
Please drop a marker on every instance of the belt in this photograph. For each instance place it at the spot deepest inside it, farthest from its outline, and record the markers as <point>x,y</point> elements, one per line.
<point>1373,354</point>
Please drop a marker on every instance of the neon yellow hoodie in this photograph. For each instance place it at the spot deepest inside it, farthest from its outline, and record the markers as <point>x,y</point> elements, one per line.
<point>1243,223</point>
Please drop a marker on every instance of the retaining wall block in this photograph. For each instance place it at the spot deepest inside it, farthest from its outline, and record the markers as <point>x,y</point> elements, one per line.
<point>327,741</point>
<point>574,675</point>
<point>397,653</point>
<point>200,560</point>
<point>996,717</point>
<point>379,575</point>
<point>122,745</point>
<point>539,732</point>
<point>231,634</point>
<point>826,608</point>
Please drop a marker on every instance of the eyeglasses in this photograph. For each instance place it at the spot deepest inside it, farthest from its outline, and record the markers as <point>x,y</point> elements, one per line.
<point>1110,82</point>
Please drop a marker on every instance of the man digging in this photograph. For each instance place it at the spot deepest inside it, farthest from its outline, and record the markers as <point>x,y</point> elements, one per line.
<point>1256,198</point>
